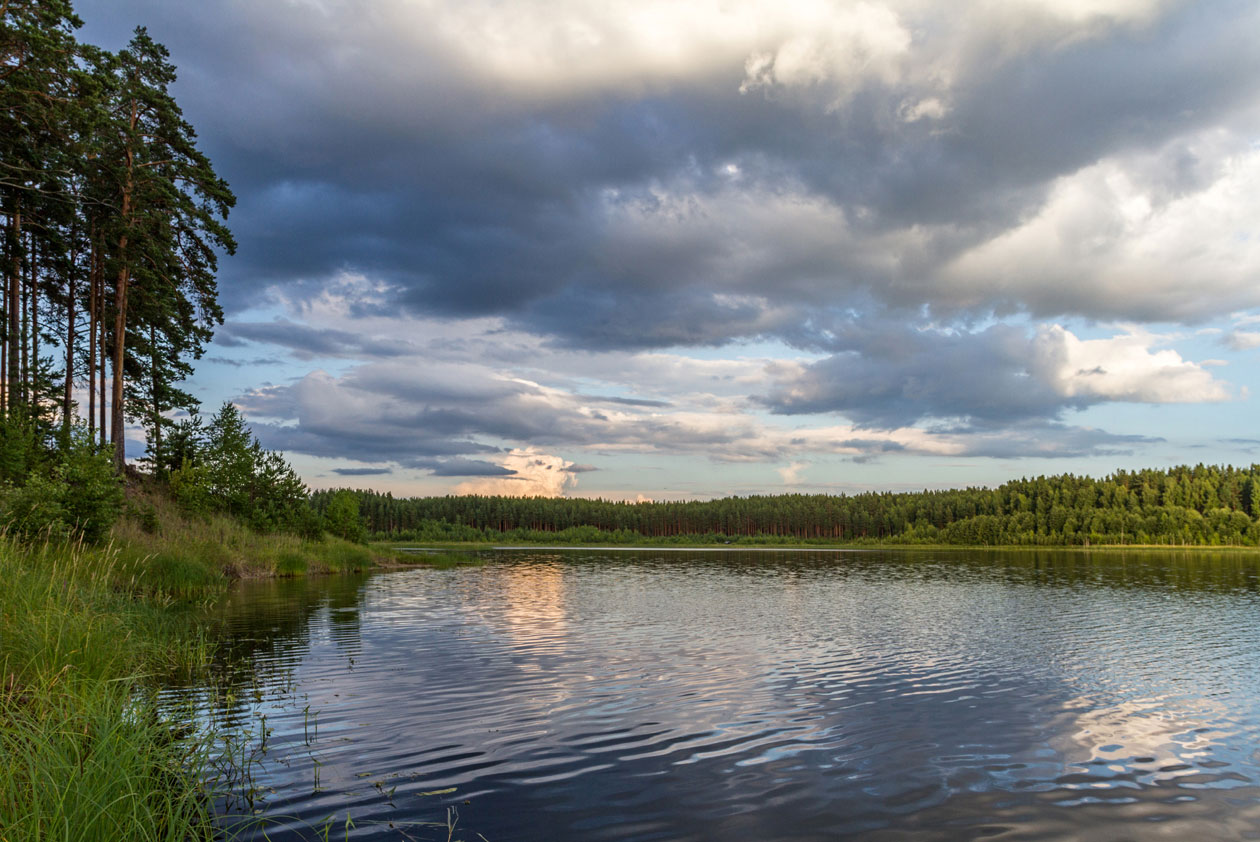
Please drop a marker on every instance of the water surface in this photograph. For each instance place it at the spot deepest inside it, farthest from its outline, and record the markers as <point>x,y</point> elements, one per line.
<point>759,695</point>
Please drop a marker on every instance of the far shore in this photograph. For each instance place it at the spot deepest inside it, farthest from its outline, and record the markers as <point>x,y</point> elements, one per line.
<point>825,548</point>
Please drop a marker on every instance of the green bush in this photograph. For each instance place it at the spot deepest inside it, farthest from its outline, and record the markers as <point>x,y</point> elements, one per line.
<point>36,509</point>
<point>188,488</point>
<point>20,448</point>
<point>78,495</point>
<point>94,493</point>
<point>181,576</point>
<point>144,514</point>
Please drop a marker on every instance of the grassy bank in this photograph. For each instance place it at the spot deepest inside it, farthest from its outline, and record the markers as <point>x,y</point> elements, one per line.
<point>86,635</point>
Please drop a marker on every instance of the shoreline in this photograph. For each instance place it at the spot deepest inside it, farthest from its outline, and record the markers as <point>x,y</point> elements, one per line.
<point>825,548</point>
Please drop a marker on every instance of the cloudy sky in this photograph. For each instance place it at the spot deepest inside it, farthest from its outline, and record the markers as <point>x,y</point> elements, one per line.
<point>689,249</point>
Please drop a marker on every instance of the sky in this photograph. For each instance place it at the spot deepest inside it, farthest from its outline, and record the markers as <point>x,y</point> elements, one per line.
<point>644,249</point>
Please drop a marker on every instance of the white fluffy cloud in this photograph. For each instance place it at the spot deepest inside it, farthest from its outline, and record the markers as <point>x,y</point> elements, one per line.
<point>1118,239</point>
<point>1123,368</point>
<point>534,474</point>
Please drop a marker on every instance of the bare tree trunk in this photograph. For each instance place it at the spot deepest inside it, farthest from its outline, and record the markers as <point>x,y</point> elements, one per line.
<point>34,374</point>
<point>4,343</point>
<point>26,359</point>
<point>116,433</point>
<point>157,409</point>
<point>100,345</point>
<point>93,280</point>
<point>67,397</point>
<point>14,305</point>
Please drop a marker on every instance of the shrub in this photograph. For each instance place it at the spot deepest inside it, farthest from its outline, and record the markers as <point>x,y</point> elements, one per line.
<point>79,495</point>
<point>36,509</point>
<point>290,563</point>
<point>188,488</point>
<point>94,493</point>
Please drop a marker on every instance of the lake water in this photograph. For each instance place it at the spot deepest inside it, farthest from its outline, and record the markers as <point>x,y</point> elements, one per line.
<point>648,695</point>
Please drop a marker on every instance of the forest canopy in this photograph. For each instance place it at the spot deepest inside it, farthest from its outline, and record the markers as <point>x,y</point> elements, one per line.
<point>1201,505</point>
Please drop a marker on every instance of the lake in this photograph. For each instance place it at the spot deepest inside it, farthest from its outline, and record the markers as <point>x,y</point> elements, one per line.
<point>753,695</point>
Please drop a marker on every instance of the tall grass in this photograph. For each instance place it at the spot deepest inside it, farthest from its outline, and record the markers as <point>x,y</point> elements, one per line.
<point>87,634</point>
<point>84,754</point>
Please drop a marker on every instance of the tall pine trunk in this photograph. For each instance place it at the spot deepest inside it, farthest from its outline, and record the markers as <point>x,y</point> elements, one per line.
<point>33,375</point>
<point>94,274</point>
<point>100,345</point>
<point>67,397</point>
<point>156,445</point>
<point>15,305</point>
<point>116,434</point>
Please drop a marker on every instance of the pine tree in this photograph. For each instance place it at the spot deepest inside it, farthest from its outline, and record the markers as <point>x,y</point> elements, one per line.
<point>164,237</point>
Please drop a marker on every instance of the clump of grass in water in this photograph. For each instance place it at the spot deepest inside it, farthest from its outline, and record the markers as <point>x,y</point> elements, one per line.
<point>291,563</point>
<point>439,559</point>
<point>337,555</point>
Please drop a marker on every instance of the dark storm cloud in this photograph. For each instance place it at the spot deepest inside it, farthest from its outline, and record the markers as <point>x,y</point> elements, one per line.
<point>375,440</point>
<point>470,468</point>
<point>902,376</point>
<point>624,401</point>
<point>308,343</point>
<point>361,150</point>
<point>257,361</point>
<point>887,375</point>
<point>1047,440</point>
<point>362,472</point>
<point>873,445</point>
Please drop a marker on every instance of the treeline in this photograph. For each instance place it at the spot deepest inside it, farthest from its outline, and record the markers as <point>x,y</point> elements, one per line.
<point>113,221</point>
<point>1200,505</point>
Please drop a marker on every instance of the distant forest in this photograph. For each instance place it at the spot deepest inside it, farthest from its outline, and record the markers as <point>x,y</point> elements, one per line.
<point>1200,505</point>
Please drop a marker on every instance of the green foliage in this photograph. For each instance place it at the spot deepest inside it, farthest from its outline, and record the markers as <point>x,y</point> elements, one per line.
<point>188,489</point>
<point>341,556</point>
<point>94,493</point>
<point>343,520</point>
<point>77,494</point>
<point>181,575</point>
<point>291,563</point>
<point>21,451</point>
<point>144,514</point>
<point>226,470</point>
<point>37,509</point>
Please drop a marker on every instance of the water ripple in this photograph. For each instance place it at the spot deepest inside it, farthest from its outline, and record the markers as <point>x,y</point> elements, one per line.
<point>760,696</point>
